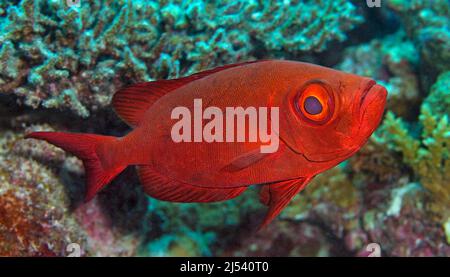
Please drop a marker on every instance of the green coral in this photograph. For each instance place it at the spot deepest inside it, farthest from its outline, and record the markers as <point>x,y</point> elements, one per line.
<point>428,154</point>
<point>76,57</point>
<point>427,24</point>
<point>293,25</point>
<point>439,101</point>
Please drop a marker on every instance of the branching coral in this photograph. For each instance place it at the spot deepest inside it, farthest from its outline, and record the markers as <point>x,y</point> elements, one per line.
<point>297,25</point>
<point>76,57</point>
<point>429,154</point>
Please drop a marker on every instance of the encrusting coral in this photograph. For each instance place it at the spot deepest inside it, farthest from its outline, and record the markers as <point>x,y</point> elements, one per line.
<point>392,61</point>
<point>427,24</point>
<point>36,217</point>
<point>32,222</point>
<point>61,56</point>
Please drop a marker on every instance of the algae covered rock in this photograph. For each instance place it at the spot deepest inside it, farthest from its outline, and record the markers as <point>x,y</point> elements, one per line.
<point>32,221</point>
<point>37,215</point>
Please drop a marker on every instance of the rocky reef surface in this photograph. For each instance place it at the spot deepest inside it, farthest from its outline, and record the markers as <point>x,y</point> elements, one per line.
<point>61,64</point>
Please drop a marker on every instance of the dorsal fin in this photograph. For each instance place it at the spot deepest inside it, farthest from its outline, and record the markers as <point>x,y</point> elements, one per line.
<point>131,102</point>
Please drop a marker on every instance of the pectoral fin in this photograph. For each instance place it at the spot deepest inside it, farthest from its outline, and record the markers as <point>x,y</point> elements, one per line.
<point>245,160</point>
<point>278,195</point>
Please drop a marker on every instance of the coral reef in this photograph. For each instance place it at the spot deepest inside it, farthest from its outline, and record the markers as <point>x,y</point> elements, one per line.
<point>32,221</point>
<point>396,60</point>
<point>339,215</point>
<point>36,216</point>
<point>427,24</point>
<point>195,229</point>
<point>43,187</point>
<point>429,154</point>
<point>391,60</point>
<point>438,100</point>
<point>59,56</point>
<point>64,63</point>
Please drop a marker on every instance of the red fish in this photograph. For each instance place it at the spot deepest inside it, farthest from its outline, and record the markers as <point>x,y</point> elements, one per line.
<point>325,116</point>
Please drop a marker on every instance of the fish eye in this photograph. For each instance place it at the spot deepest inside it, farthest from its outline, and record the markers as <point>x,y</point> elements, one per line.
<point>314,103</point>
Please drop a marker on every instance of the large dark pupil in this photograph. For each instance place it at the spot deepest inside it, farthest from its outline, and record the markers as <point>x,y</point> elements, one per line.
<point>312,105</point>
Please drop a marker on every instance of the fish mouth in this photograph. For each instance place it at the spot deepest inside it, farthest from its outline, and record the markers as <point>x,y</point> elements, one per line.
<point>370,84</point>
<point>372,104</point>
<point>373,99</point>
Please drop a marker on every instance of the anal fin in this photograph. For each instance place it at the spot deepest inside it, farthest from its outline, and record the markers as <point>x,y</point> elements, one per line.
<point>278,195</point>
<point>164,188</point>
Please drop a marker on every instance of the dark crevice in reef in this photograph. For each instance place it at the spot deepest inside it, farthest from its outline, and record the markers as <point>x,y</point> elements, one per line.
<point>378,23</point>
<point>103,121</point>
<point>337,243</point>
<point>127,211</point>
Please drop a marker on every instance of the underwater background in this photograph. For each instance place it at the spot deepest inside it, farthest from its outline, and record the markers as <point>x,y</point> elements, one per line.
<point>61,61</point>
